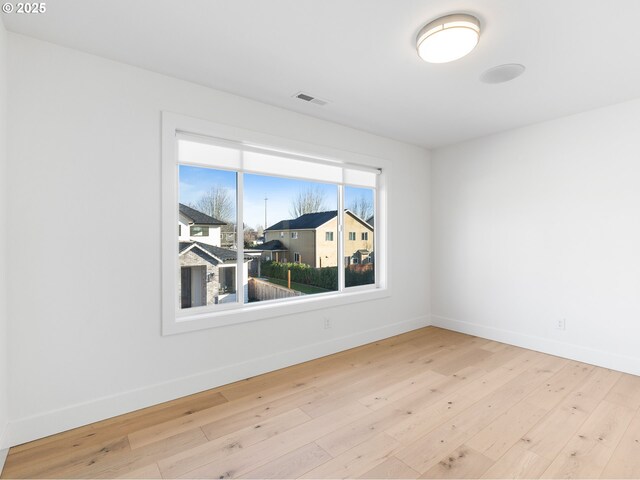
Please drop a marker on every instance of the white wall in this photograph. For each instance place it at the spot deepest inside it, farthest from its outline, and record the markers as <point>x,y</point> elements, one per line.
<point>4,357</point>
<point>85,310</point>
<point>539,224</point>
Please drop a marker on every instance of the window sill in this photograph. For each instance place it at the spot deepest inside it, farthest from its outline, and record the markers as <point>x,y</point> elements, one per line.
<point>266,310</point>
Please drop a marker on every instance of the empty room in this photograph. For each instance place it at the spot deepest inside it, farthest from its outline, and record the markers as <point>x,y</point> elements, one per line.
<point>320,239</point>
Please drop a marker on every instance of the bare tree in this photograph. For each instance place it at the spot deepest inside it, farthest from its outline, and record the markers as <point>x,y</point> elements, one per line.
<point>362,207</point>
<point>217,202</point>
<point>310,200</point>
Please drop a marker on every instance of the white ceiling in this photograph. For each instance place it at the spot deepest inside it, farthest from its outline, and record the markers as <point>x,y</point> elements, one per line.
<point>360,56</point>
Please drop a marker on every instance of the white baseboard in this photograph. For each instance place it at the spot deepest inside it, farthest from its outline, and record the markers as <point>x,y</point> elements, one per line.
<point>31,428</point>
<point>4,446</point>
<point>572,351</point>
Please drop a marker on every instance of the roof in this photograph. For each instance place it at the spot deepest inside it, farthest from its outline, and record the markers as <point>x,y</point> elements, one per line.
<point>270,245</point>
<point>370,221</point>
<point>310,221</point>
<point>198,217</point>
<point>306,221</point>
<point>222,254</point>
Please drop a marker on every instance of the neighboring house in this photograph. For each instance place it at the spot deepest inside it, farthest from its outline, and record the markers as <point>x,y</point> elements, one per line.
<point>196,226</point>
<point>273,250</point>
<point>207,271</point>
<point>265,252</point>
<point>312,239</point>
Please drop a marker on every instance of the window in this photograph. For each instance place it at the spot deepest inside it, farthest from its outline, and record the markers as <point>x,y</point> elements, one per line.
<point>208,271</point>
<point>286,206</point>
<point>199,231</point>
<point>360,203</point>
<point>211,279</point>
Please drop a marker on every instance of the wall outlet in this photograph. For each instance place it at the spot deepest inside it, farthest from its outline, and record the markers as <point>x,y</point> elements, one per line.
<point>327,323</point>
<point>561,324</point>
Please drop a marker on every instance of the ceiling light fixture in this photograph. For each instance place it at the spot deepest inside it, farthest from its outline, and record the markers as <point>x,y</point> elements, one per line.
<point>448,38</point>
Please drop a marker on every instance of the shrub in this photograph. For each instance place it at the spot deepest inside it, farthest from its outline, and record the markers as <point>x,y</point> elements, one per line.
<point>359,275</point>
<point>326,277</point>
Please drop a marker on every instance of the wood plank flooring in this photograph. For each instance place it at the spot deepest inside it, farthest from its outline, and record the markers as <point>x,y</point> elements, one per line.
<point>427,404</point>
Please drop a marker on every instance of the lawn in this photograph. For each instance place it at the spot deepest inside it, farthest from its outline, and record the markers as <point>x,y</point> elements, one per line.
<point>300,287</point>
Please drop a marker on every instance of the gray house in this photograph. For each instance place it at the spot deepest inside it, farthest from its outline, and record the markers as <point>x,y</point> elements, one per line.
<point>207,271</point>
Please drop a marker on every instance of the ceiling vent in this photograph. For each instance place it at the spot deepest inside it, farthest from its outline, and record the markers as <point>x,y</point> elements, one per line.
<point>309,98</point>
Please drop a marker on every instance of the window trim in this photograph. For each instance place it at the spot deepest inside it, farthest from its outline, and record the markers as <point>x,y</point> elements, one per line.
<point>174,321</point>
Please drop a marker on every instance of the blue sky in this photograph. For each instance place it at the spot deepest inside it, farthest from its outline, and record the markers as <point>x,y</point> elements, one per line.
<point>195,181</point>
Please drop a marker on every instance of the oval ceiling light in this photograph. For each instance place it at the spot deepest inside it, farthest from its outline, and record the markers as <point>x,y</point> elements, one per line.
<point>448,38</point>
<point>502,73</point>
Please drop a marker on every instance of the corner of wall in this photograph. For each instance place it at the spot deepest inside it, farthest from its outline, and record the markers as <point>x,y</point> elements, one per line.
<point>4,357</point>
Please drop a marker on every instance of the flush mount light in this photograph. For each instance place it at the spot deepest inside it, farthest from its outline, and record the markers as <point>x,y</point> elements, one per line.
<point>448,38</point>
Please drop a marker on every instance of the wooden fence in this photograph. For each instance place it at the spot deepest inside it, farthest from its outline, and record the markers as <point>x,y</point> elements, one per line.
<point>260,290</point>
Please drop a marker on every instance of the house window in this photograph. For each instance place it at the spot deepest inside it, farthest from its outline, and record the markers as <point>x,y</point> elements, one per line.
<point>199,231</point>
<point>360,202</point>
<point>210,282</point>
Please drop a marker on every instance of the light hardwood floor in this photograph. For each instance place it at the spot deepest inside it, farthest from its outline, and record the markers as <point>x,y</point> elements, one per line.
<point>427,404</point>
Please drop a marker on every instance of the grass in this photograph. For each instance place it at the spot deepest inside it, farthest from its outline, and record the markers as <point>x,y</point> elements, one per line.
<point>300,287</point>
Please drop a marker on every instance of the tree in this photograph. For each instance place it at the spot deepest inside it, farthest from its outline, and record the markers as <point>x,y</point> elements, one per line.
<point>362,207</point>
<point>217,202</point>
<point>310,200</point>
<point>250,236</point>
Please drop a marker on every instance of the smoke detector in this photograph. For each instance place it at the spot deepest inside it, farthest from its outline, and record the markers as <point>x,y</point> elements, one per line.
<point>309,98</point>
<point>503,73</point>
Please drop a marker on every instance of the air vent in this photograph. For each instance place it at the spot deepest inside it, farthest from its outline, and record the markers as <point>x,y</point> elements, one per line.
<point>309,98</point>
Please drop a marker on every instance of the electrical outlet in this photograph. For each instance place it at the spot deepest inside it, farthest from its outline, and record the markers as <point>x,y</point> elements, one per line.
<point>327,323</point>
<point>561,324</point>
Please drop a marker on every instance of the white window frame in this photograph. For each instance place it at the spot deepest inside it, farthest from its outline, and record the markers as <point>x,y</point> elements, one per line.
<point>364,237</point>
<point>296,257</point>
<point>176,320</point>
<point>294,235</point>
<point>327,235</point>
<point>352,236</point>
